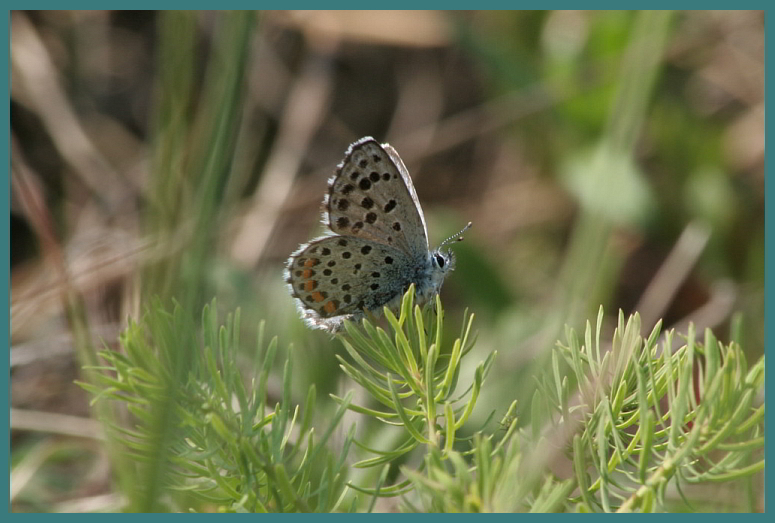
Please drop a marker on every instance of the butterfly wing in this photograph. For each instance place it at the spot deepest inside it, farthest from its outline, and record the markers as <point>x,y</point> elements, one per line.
<point>337,277</point>
<point>371,196</point>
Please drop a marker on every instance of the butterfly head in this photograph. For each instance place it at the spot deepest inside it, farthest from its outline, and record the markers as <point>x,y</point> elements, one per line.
<point>443,259</point>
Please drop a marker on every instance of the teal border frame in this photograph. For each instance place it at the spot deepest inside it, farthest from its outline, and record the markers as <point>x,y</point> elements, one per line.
<point>345,4</point>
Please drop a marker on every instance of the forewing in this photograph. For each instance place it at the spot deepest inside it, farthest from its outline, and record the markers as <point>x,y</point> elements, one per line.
<point>372,197</point>
<point>337,276</point>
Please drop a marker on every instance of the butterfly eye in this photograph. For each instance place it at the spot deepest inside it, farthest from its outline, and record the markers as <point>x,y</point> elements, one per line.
<point>439,260</point>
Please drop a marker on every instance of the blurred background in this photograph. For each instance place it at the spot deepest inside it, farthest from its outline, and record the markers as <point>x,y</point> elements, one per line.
<point>604,158</point>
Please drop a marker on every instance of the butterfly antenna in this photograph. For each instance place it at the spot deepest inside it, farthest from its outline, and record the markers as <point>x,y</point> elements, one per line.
<point>456,237</point>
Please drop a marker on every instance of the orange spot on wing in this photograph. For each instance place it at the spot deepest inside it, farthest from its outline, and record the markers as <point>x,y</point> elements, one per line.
<point>331,306</point>
<point>307,274</point>
<point>317,296</point>
<point>310,285</point>
<point>311,262</point>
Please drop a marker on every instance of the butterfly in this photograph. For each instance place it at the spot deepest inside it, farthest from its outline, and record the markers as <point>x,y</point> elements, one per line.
<point>376,246</point>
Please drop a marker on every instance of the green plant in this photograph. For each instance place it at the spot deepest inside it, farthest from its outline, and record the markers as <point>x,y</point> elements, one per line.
<point>228,445</point>
<point>643,418</point>
<point>646,416</point>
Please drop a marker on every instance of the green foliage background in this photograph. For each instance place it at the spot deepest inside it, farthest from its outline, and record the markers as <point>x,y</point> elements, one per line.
<point>612,157</point>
